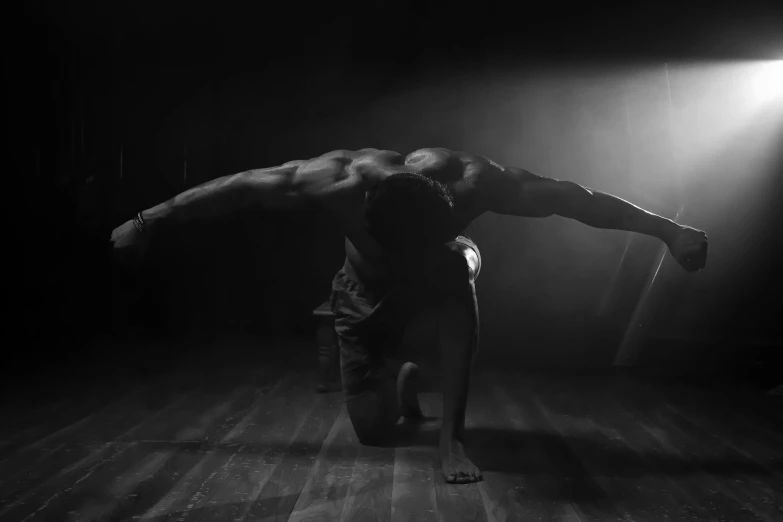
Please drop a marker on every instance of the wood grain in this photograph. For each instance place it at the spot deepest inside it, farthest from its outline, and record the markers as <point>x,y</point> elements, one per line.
<point>742,419</point>
<point>681,463</point>
<point>370,489</point>
<point>73,449</point>
<point>131,474</point>
<point>278,497</point>
<point>556,472</point>
<point>233,472</point>
<point>21,429</point>
<point>755,488</point>
<point>576,409</point>
<point>500,441</point>
<point>46,407</point>
<point>323,495</point>
<point>261,448</point>
<point>415,464</point>
<point>696,501</point>
<point>456,502</point>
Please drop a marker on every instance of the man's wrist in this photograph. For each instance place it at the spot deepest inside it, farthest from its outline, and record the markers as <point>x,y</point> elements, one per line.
<point>669,230</point>
<point>138,222</point>
<point>152,216</point>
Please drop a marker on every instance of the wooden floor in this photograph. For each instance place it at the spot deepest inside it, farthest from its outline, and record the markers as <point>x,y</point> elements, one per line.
<point>256,443</point>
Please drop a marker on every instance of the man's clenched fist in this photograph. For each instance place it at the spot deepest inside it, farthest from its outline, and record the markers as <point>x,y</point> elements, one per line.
<point>689,248</point>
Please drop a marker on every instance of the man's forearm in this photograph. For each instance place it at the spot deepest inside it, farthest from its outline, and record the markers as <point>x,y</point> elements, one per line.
<point>601,210</point>
<point>222,196</point>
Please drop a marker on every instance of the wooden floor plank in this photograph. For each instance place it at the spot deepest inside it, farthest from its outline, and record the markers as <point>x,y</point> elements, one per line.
<point>278,497</point>
<point>370,488</point>
<point>95,414</point>
<point>502,451</point>
<point>256,449</point>
<point>551,447</point>
<point>55,468</point>
<point>22,429</point>
<point>43,409</point>
<point>144,471</point>
<point>697,499</point>
<point>755,405</point>
<point>682,459</point>
<point>25,415</point>
<point>415,465</point>
<point>634,485</point>
<point>557,472</point>
<point>456,502</point>
<point>755,488</point>
<point>29,469</point>
<point>734,399</point>
<point>323,496</point>
<point>129,474</point>
<point>705,408</point>
<point>719,412</point>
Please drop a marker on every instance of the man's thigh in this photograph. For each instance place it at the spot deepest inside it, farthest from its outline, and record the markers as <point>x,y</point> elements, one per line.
<point>419,338</point>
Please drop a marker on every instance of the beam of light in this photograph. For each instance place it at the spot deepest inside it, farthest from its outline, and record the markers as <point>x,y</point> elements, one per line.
<point>644,311</point>
<point>725,106</point>
<point>768,82</point>
<point>727,111</point>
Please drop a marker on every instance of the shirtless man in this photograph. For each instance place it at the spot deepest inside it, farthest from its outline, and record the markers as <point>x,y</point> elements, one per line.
<point>403,217</point>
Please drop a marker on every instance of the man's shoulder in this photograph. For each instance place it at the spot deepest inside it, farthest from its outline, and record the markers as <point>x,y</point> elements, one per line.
<point>443,164</point>
<point>424,157</point>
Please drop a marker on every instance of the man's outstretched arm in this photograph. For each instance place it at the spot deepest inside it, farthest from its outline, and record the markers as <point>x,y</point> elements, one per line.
<point>522,193</point>
<point>322,178</point>
<point>227,194</point>
<point>274,187</point>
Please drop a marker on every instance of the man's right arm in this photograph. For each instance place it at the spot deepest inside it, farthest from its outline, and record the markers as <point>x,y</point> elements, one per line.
<point>276,187</point>
<point>329,178</point>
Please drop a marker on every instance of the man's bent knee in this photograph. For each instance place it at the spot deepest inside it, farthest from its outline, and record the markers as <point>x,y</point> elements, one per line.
<point>374,414</point>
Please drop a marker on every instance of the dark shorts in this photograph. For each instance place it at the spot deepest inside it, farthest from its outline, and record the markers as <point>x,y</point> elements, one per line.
<point>370,321</point>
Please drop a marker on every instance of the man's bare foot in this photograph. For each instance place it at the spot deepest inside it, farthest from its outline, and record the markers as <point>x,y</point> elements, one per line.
<point>457,468</point>
<point>408,391</point>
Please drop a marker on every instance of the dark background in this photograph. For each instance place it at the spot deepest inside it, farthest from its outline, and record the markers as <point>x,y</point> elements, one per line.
<point>145,87</point>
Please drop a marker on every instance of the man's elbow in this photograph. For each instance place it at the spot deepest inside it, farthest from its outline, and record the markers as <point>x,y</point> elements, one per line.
<point>574,201</point>
<point>569,199</point>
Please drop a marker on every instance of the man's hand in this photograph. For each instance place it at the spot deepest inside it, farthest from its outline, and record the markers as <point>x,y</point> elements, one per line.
<point>129,244</point>
<point>689,248</point>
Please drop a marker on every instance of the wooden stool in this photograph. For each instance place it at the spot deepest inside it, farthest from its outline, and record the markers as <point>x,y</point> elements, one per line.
<point>328,351</point>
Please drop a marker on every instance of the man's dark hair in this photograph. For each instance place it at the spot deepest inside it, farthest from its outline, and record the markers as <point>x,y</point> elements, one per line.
<point>409,211</point>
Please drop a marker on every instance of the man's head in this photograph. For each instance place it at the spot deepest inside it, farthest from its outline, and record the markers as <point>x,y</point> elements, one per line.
<point>409,212</point>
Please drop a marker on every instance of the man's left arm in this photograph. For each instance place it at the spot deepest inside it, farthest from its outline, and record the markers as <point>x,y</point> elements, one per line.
<point>522,193</point>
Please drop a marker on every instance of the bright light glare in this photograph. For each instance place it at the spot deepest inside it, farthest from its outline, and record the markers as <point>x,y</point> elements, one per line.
<point>769,81</point>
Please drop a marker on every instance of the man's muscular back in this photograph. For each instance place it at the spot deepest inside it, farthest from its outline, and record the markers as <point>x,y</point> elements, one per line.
<point>341,179</point>
<point>349,174</point>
